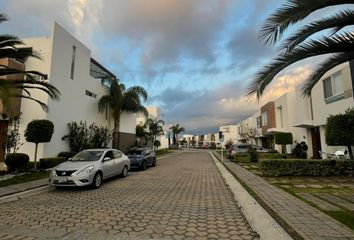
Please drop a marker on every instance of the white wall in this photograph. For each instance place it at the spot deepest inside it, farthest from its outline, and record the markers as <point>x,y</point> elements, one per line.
<point>230,132</point>
<point>74,105</point>
<point>127,122</point>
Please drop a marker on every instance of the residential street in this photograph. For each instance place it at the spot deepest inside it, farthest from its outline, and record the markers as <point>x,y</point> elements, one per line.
<point>183,197</point>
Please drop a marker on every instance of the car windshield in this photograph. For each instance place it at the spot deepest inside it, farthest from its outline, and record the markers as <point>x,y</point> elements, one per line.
<point>135,152</point>
<point>87,156</point>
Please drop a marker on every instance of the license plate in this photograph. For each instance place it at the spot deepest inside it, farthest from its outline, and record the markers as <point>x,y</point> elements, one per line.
<point>63,180</point>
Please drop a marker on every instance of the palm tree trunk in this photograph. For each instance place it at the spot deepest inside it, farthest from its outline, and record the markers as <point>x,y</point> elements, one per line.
<point>116,135</point>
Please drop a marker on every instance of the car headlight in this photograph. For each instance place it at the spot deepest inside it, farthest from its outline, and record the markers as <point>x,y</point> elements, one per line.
<point>53,173</point>
<point>86,170</point>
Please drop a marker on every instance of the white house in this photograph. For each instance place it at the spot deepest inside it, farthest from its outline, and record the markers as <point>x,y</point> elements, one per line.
<point>333,94</point>
<point>230,133</point>
<point>77,76</point>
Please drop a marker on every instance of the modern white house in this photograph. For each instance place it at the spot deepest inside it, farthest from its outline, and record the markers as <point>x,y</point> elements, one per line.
<point>155,114</point>
<point>72,70</point>
<point>230,133</point>
<point>333,94</point>
<point>304,117</point>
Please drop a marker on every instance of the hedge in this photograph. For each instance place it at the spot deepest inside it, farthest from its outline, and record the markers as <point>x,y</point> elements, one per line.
<point>16,161</point>
<point>304,167</point>
<point>66,155</point>
<point>245,157</point>
<point>45,163</point>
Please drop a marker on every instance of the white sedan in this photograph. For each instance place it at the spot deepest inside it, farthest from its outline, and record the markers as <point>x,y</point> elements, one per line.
<point>89,168</point>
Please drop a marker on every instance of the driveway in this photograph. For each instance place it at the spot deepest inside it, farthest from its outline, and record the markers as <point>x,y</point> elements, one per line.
<point>183,197</point>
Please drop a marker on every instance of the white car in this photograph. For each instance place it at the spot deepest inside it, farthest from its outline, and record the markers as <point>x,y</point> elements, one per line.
<point>89,168</point>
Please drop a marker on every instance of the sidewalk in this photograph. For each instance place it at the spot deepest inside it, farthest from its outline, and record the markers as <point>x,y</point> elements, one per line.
<point>21,187</point>
<point>305,220</point>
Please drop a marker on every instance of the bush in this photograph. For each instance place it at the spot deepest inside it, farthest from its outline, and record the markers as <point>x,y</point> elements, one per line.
<point>299,151</point>
<point>253,155</point>
<point>66,155</point>
<point>246,157</point>
<point>16,162</point>
<point>283,138</point>
<point>45,163</point>
<point>304,167</point>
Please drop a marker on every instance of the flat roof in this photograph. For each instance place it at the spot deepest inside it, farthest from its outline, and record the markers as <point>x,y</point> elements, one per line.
<point>100,72</point>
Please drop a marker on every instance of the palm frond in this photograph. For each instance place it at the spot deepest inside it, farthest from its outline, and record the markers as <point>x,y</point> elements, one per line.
<point>3,17</point>
<point>323,68</point>
<point>42,104</point>
<point>104,103</point>
<point>140,91</point>
<point>292,12</point>
<point>325,45</point>
<point>335,22</point>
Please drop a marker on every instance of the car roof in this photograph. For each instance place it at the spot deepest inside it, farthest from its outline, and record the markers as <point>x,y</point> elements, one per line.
<point>99,149</point>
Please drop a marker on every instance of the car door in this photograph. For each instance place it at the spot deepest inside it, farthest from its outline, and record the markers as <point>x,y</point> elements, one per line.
<point>147,153</point>
<point>118,162</point>
<point>108,164</point>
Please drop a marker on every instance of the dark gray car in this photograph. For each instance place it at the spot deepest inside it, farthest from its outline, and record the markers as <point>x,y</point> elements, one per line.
<point>141,158</point>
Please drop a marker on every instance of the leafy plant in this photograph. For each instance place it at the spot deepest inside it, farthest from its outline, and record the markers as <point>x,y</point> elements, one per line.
<point>300,150</point>
<point>39,131</point>
<point>13,139</point>
<point>283,139</point>
<point>157,144</point>
<point>340,129</point>
<point>82,136</point>
<point>16,162</point>
<point>253,155</point>
<point>229,143</point>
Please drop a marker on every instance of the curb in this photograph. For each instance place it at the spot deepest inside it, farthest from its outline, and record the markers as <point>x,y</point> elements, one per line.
<point>258,218</point>
<point>23,194</point>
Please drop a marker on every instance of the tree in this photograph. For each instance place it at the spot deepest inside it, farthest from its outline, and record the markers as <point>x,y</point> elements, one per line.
<point>176,129</point>
<point>11,47</point>
<point>340,129</point>
<point>141,133</point>
<point>283,139</point>
<point>157,144</point>
<point>328,35</point>
<point>155,128</point>
<point>121,99</point>
<point>39,131</point>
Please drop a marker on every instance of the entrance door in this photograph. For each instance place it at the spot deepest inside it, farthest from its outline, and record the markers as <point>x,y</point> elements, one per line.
<point>316,142</point>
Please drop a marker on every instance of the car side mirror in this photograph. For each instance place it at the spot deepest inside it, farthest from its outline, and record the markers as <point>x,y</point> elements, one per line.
<point>106,159</point>
<point>70,159</point>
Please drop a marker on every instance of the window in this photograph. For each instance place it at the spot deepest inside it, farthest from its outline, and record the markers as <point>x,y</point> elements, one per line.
<point>264,118</point>
<point>117,154</point>
<point>72,70</point>
<point>333,85</point>
<point>90,94</point>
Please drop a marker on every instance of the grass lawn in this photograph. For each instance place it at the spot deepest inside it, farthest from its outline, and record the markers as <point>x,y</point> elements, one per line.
<point>164,151</point>
<point>25,178</point>
<point>333,192</point>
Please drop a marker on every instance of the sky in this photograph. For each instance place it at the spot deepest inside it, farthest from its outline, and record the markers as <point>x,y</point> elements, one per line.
<point>195,58</point>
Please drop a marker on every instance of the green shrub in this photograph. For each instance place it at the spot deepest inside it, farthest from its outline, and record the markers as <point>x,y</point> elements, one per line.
<point>283,138</point>
<point>16,162</point>
<point>45,163</point>
<point>242,157</point>
<point>275,155</point>
<point>304,167</point>
<point>253,155</point>
<point>299,151</point>
<point>66,155</point>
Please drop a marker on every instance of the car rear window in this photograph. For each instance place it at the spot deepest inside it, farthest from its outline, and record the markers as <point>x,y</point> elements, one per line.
<point>135,152</point>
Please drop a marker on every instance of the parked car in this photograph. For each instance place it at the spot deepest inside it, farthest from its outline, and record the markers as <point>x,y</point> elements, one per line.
<point>142,158</point>
<point>89,168</point>
<point>244,148</point>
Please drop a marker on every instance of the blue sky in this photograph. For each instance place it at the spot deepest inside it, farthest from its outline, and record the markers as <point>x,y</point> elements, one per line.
<point>195,58</point>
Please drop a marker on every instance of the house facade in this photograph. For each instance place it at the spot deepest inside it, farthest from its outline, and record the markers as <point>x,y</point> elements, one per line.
<point>71,69</point>
<point>304,117</point>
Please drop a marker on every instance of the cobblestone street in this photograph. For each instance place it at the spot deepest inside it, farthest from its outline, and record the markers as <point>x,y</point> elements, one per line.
<point>184,197</point>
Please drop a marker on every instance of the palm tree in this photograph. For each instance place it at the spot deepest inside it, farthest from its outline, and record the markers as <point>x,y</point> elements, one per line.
<point>328,35</point>
<point>176,129</point>
<point>155,128</point>
<point>22,81</point>
<point>141,133</point>
<point>121,100</point>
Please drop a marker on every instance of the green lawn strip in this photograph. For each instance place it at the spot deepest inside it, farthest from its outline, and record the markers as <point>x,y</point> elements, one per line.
<point>270,211</point>
<point>25,178</point>
<point>344,216</point>
<point>163,152</point>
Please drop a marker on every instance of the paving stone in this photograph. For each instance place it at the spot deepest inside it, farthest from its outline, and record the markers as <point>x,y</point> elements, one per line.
<point>336,200</point>
<point>297,214</point>
<point>183,197</point>
<point>317,201</point>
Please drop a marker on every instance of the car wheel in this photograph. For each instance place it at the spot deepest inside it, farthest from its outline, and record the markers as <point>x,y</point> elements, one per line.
<point>124,172</point>
<point>144,166</point>
<point>97,180</point>
<point>154,163</point>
